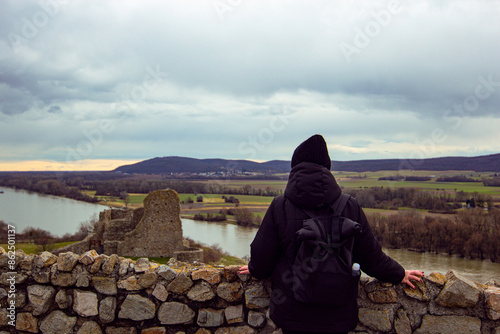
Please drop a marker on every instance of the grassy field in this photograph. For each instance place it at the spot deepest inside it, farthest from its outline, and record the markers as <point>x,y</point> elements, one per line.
<point>30,248</point>
<point>213,203</point>
<point>370,179</point>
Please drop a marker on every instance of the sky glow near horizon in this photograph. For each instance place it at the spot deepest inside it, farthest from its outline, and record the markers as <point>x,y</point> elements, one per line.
<point>94,85</point>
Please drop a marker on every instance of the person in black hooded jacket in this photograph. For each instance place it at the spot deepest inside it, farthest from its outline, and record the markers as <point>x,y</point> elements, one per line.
<point>311,186</point>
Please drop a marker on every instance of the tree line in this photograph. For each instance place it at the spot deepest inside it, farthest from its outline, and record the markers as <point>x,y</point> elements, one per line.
<point>393,198</point>
<point>473,233</point>
<point>46,185</point>
<point>71,185</point>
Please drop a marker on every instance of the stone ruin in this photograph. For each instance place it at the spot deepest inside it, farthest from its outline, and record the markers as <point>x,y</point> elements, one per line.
<point>154,230</point>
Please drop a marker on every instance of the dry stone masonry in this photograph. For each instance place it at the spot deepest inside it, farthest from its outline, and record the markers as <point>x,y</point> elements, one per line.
<point>154,230</point>
<point>92,293</point>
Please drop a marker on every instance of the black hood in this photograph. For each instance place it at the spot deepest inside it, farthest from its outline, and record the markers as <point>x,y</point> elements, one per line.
<point>311,186</point>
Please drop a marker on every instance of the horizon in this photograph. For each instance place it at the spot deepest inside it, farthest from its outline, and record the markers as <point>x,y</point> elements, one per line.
<point>91,166</point>
<point>85,87</point>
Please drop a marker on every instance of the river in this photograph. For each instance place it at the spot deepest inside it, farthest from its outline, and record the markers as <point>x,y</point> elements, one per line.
<point>57,215</point>
<point>61,215</point>
<point>236,240</point>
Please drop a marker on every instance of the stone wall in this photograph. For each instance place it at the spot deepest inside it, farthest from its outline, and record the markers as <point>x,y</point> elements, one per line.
<point>154,230</point>
<point>93,293</point>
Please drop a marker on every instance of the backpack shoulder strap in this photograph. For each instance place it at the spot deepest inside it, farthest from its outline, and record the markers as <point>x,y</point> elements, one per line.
<point>339,205</point>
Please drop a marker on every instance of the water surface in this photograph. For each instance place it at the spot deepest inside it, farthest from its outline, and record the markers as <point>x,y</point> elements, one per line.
<point>57,215</point>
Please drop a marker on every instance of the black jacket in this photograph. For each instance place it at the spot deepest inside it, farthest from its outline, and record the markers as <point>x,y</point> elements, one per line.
<point>311,186</point>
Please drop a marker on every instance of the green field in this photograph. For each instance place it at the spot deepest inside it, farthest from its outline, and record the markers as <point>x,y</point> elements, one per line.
<point>213,203</point>
<point>370,179</point>
<point>30,248</point>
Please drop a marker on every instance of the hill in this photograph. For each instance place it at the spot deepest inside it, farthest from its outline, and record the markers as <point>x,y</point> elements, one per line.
<point>168,165</point>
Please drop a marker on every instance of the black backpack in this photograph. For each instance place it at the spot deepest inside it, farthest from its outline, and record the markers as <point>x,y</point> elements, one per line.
<point>323,267</point>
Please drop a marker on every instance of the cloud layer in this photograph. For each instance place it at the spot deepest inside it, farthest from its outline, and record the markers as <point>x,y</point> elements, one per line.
<point>130,80</point>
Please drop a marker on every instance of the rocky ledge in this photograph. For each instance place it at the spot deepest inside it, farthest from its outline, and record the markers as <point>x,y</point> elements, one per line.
<point>93,293</point>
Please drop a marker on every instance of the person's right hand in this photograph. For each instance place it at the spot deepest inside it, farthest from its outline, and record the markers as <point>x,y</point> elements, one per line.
<point>244,270</point>
<point>412,275</point>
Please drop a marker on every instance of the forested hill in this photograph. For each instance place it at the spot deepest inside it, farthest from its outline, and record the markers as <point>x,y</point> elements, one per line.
<point>167,165</point>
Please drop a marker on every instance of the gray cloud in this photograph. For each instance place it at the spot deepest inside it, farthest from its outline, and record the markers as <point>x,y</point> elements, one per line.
<point>163,70</point>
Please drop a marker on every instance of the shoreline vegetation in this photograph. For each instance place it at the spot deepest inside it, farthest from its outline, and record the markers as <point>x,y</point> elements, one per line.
<point>450,212</point>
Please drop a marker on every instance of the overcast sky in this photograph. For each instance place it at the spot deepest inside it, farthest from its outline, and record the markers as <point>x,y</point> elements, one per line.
<point>95,84</point>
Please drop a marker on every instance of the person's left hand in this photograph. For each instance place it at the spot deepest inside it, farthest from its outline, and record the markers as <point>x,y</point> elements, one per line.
<point>412,275</point>
<point>243,270</point>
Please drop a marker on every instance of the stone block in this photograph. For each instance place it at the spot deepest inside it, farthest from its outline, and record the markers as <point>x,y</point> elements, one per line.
<point>458,292</point>
<point>90,327</point>
<point>26,264</point>
<point>129,284</point>
<point>82,276</point>
<point>67,261</point>
<point>121,330</point>
<point>230,273</point>
<point>7,278</point>
<point>180,284</point>
<point>88,257</point>
<point>105,285</point>
<point>148,279</point>
<point>61,278</point>
<point>26,322</point>
<point>208,317</point>
<point>240,330</point>
<point>40,297</point>
<point>4,317</point>
<point>109,264</point>
<point>256,297</point>
<point>174,313</point>
<point>166,272</point>
<point>160,292</point>
<point>58,322</point>
<point>96,266</point>
<point>402,323</point>
<point>141,265</point>
<point>203,331</point>
<point>256,319</point>
<point>383,296</point>
<point>234,314</point>
<point>201,292</point>
<point>19,299</point>
<point>137,308</point>
<point>212,276</point>
<point>124,266</point>
<point>437,278</point>
<point>231,292</point>
<point>41,275</point>
<point>85,303</point>
<point>449,325</point>
<point>492,303</point>
<point>107,309</point>
<point>378,320</point>
<point>45,259</point>
<point>154,330</point>
<point>419,293</point>
<point>63,300</point>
